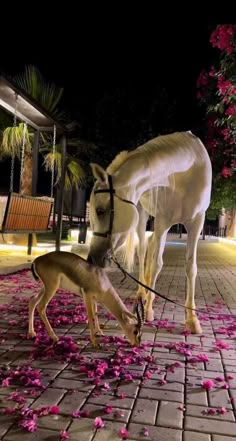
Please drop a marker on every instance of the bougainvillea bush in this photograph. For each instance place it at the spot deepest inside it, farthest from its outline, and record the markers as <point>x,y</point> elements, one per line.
<point>216,91</point>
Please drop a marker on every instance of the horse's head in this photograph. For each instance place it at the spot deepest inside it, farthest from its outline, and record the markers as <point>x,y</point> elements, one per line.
<point>112,217</point>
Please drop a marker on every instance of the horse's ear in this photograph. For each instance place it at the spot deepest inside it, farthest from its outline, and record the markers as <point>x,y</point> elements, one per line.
<point>99,173</point>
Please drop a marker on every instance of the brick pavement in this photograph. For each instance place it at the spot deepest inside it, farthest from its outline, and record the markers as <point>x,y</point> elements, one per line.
<point>155,393</point>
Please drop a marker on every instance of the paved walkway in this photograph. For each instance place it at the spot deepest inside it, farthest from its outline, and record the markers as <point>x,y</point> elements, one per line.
<point>177,387</point>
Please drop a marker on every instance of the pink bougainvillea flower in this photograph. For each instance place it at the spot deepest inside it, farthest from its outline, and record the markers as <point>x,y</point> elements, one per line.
<point>222,410</point>
<point>97,381</point>
<point>202,357</point>
<point>76,413</point>
<point>5,382</point>
<point>145,431</point>
<point>225,386</point>
<point>220,379</point>
<point>9,410</point>
<point>178,364</point>
<point>54,410</point>
<point>64,435</point>
<point>106,386</point>
<point>15,396</point>
<point>230,377</point>
<point>207,384</point>
<point>30,424</point>
<point>121,396</point>
<point>221,345</point>
<point>123,432</point>
<point>209,411</point>
<point>98,423</point>
<point>182,408</point>
<point>147,374</point>
<point>162,382</point>
<point>108,409</point>
<point>128,377</point>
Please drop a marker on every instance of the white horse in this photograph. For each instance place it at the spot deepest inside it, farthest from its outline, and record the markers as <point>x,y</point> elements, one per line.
<point>169,178</point>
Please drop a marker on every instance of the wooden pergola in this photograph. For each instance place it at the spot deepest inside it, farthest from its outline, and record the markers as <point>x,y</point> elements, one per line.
<point>30,112</point>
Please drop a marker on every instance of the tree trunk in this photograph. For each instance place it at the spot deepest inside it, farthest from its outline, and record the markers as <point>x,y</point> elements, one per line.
<point>27,175</point>
<point>26,189</point>
<point>231,231</point>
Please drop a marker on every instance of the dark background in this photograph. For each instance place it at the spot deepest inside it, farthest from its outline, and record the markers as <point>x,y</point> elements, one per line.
<point>92,58</point>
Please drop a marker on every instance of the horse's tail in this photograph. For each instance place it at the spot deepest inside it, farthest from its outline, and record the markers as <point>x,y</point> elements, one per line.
<point>129,251</point>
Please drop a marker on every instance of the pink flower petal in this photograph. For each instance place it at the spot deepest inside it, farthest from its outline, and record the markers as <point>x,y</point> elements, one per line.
<point>98,423</point>
<point>208,384</point>
<point>145,431</point>
<point>64,435</point>
<point>54,410</point>
<point>123,432</point>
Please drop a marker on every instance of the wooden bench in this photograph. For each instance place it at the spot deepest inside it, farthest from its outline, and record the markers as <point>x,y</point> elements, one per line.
<point>26,214</point>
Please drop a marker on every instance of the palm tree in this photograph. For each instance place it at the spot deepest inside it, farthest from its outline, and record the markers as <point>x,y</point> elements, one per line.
<point>48,97</point>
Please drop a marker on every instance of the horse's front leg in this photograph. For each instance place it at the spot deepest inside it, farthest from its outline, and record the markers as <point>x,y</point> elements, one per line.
<point>193,229</point>
<point>142,247</point>
<point>154,264</point>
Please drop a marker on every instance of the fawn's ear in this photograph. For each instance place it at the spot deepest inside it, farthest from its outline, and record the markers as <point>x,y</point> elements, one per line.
<point>129,317</point>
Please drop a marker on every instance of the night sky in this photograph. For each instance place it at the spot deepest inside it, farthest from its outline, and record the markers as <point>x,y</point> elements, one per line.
<point>87,63</point>
<point>90,58</point>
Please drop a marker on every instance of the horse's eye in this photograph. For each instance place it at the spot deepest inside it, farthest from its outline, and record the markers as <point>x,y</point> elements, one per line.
<point>136,332</point>
<point>100,211</point>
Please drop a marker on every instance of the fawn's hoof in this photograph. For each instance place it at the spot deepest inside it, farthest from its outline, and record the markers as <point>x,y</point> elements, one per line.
<point>193,325</point>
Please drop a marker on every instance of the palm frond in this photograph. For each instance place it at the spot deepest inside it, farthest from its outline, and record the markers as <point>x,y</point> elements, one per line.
<point>46,94</point>
<point>12,140</point>
<point>74,172</point>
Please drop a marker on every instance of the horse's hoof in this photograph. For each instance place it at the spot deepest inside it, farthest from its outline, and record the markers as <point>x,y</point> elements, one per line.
<point>31,334</point>
<point>149,316</point>
<point>193,325</point>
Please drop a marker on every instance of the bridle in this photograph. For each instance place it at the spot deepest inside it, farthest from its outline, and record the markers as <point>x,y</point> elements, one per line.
<point>138,307</point>
<point>112,193</point>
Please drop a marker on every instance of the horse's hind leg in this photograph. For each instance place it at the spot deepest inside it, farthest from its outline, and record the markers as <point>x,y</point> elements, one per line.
<point>193,229</point>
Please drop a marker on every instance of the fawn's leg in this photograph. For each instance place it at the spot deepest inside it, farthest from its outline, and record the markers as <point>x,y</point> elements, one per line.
<point>96,322</point>
<point>50,291</point>
<point>32,305</point>
<point>88,300</point>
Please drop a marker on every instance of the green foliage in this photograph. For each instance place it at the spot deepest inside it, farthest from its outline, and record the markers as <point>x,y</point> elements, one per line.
<point>47,95</point>
<point>12,140</point>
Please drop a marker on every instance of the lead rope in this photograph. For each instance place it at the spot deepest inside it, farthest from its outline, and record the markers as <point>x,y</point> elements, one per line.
<point>161,295</point>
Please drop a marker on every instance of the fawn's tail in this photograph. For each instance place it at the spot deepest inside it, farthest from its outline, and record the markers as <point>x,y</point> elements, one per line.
<point>36,277</point>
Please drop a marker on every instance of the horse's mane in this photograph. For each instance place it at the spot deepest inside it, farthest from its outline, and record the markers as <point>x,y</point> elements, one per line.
<point>165,144</point>
<point>117,162</point>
